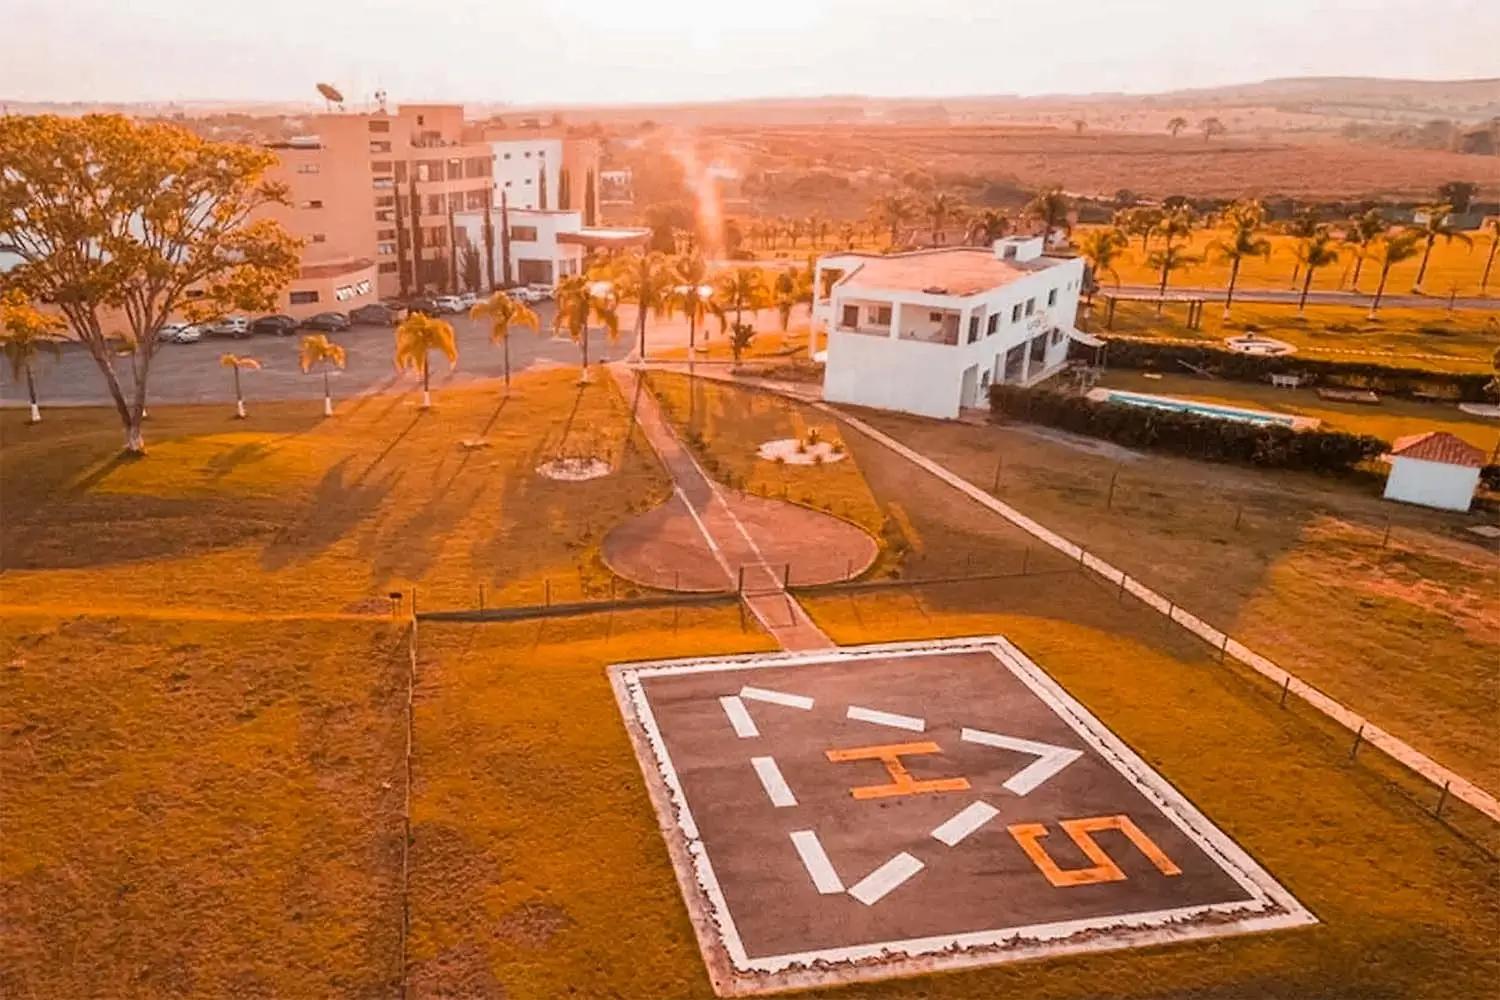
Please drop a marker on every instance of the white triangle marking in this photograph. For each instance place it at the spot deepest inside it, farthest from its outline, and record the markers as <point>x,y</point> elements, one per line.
<point>1050,758</point>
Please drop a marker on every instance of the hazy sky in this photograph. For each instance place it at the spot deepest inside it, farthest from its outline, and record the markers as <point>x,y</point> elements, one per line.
<point>582,51</point>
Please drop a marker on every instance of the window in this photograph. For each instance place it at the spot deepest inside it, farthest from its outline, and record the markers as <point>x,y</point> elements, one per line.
<point>380,166</point>
<point>541,152</point>
<point>526,234</point>
<point>851,316</point>
<point>385,201</point>
<point>528,154</point>
<point>1052,297</point>
<point>307,168</point>
<point>385,216</point>
<point>993,326</point>
<point>385,249</point>
<point>880,315</point>
<point>303,298</point>
<point>312,204</point>
<point>435,204</point>
<point>380,147</point>
<point>400,171</point>
<point>385,234</point>
<point>507,183</point>
<point>973,328</point>
<point>379,125</point>
<point>1015,313</point>
<point>528,181</point>
<point>388,268</point>
<point>1030,306</point>
<point>1057,335</point>
<point>507,156</point>
<point>934,317</point>
<point>319,238</point>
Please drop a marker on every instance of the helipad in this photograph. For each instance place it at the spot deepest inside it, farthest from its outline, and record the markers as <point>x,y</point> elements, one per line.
<point>886,810</point>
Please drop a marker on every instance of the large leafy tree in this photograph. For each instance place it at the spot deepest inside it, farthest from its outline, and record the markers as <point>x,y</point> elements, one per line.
<point>1312,253</point>
<point>581,300</point>
<point>25,332</point>
<point>1176,124</point>
<point>116,222</point>
<point>1435,226</point>
<point>1393,250</point>
<point>987,226</point>
<point>503,312</point>
<point>416,338</point>
<point>317,351</point>
<point>892,211</point>
<point>1360,235</point>
<point>1242,221</point>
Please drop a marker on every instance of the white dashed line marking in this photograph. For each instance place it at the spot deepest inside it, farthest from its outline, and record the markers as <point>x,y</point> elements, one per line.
<point>777,790</point>
<point>891,719</point>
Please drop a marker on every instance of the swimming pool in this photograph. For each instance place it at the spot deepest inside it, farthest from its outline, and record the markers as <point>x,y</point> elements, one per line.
<point>1261,417</point>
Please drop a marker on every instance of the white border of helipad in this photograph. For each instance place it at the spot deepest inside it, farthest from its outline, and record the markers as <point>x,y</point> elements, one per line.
<point>733,973</point>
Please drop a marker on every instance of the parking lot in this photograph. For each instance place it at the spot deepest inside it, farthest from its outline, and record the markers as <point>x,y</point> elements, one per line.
<point>190,373</point>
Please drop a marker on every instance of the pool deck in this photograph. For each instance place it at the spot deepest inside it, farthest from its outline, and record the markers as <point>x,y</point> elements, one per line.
<point>1218,411</point>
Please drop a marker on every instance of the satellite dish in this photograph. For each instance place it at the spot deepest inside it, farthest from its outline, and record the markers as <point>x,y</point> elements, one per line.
<point>380,99</point>
<point>331,95</point>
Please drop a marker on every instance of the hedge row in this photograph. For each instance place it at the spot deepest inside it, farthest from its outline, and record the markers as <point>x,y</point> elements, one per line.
<point>1186,434</point>
<point>1144,354</point>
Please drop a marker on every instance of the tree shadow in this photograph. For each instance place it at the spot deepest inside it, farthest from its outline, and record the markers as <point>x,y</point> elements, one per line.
<point>336,507</point>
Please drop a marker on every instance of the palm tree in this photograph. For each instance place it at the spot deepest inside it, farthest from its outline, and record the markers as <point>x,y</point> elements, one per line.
<point>939,207</point>
<point>690,293</point>
<point>644,279</point>
<point>504,312</point>
<point>1243,219</point>
<point>25,332</point>
<point>988,226</point>
<point>416,338</point>
<point>1303,225</point>
<point>1176,124</point>
<point>239,364</point>
<point>1101,248</point>
<point>846,235</point>
<point>740,337</point>
<point>1360,234</point>
<point>316,350</point>
<point>740,289</point>
<point>1393,250</point>
<point>894,211</point>
<point>1434,225</point>
<point>581,299</point>
<point>1314,252</point>
<point>792,286</point>
<point>1174,225</point>
<point>1140,221</point>
<point>1049,205</point>
<point>1489,261</point>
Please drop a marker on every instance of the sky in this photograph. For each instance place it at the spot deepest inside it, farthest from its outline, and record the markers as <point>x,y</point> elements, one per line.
<point>643,51</point>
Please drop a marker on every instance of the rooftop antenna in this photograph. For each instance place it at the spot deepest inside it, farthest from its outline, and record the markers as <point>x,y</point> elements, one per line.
<point>380,99</point>
<point>331,96</point>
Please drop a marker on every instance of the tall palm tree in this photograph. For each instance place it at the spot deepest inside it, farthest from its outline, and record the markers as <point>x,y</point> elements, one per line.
<point>987,226</point>
<point>939,207</point>
<point>645,279</point>
<point>1049,205</point>
<point>740,289</point>
<point>416,338</point>
<point>792,287</point>
<point>1243,220</point>
<point>582,299</point>
<point>1359,235</point>
<point>1433,226</point>
<point>689,294</point>
<point>1314,252</point>
<point>504,312</point>
<point>1101,248</point>
<point>25,332</point>
<point>1394,249</point>
<point>893,211</point>
<point>239,363</point>
<point>1174,225</point>
<point>1303,225</point>
<point>1166,260</point>
<point>1141,221</point>
<point>317,351</point>
<point>1489,261</point>
<point>1176,124</point>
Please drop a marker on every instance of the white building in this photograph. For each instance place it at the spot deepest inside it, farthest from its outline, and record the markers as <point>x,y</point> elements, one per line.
<point>1434,469</point>
<point>929,331</point>
<point>536,168</point>
<point>545,247</point>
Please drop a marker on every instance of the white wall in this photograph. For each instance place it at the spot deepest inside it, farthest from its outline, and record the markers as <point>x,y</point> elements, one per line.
<point>516,163</point>
<point>1431,484</point>
<point>879,371</point>
<point>564,257</point>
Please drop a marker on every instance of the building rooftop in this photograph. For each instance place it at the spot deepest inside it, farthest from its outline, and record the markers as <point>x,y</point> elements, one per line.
<point>1438,446</point>
<point>949,271</point>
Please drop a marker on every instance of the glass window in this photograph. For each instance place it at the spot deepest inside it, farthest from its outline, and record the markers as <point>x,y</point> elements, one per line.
<point>315,203</point>
<point>303,298</point>
<point>1052,297</point>
<point>851,316</point>
<point>1030,306</point>
<point>388,267</point>
<point>523,233</point>
<point>380,166</point>
<point>882,316</point>
<point>379,125</point>
<point>993,326</point>
<point>307,168</point>
<point>319,238</point>
<point>973,328</point>
<point>1015,313</point>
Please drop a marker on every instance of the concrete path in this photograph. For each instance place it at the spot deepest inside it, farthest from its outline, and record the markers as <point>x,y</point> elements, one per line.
<point>1360,300</point>
<point>1456,784</point>
<point>734,549</point>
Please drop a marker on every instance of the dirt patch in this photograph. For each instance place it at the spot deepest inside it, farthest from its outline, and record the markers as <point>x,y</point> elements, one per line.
<point>533,925</point>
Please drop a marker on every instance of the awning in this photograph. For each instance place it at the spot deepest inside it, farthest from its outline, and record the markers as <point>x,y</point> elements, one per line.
<point>1087,339</point>
<point>600,237</point>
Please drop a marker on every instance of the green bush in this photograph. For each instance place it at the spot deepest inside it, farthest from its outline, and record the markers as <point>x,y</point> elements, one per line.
<point>1155,356</point>
<point>1187,434</point>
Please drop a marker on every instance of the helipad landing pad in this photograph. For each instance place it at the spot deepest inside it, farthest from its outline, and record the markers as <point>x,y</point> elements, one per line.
<point>888,810</point>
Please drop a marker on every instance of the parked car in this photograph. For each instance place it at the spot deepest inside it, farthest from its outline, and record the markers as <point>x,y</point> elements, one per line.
<point>278,324</point>
<point>448,304</point>
<point>179,333</point>
<point>467,300</point>
<point>536,292</point>
<point>229,326</point>
<point>330,321</point>
<point>375,314</point>
<point>425,306</point>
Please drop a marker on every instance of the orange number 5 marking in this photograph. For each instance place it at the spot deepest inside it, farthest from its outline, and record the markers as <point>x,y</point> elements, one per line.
<point>1028,836</point>
<point>902,783</point>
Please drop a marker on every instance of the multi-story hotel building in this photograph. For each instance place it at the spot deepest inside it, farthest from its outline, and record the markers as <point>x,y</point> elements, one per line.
<point>544,169</point>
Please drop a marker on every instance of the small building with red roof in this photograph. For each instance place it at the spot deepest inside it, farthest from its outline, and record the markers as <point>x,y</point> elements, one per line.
<point>1435,469</point>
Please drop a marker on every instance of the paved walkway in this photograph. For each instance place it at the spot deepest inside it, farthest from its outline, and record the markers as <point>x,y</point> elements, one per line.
<point>1457,785</point>
<point>740,559</point>
<point>1359,300</point>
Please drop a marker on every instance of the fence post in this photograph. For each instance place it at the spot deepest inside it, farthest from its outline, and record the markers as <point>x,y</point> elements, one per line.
<point>481,597</point>
<point>786,576</point>
<point>546,592</point>
<point>1120,597</point>
<point>676,580</point>
<point>1386,538</point>
<point>1025,559</point>
<point>739,584</point>
<point>1442,798</point>
<point>1286,686</point>
<point>414,601</point>
<point>1358,738</point>
<point>1238,510</point>
<point>1224,647</point>
<point>848,570</point>
<point>995,486</point>
<point>1171,608</point>
<point>1109,500</point>
<point>1081,553</point>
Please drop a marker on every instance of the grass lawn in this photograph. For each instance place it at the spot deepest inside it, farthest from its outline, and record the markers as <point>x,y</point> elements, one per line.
<point>287,512</point>
<point>1453,266</point>
<point>197,808</point>
<point>1463,340</point>
<point>1391,419</point>
<point>769,343</point>
<point>1291,564</point>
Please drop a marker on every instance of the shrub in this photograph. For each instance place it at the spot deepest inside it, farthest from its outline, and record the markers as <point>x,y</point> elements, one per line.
<point>1187,434</point>
<point>1144,354</point>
